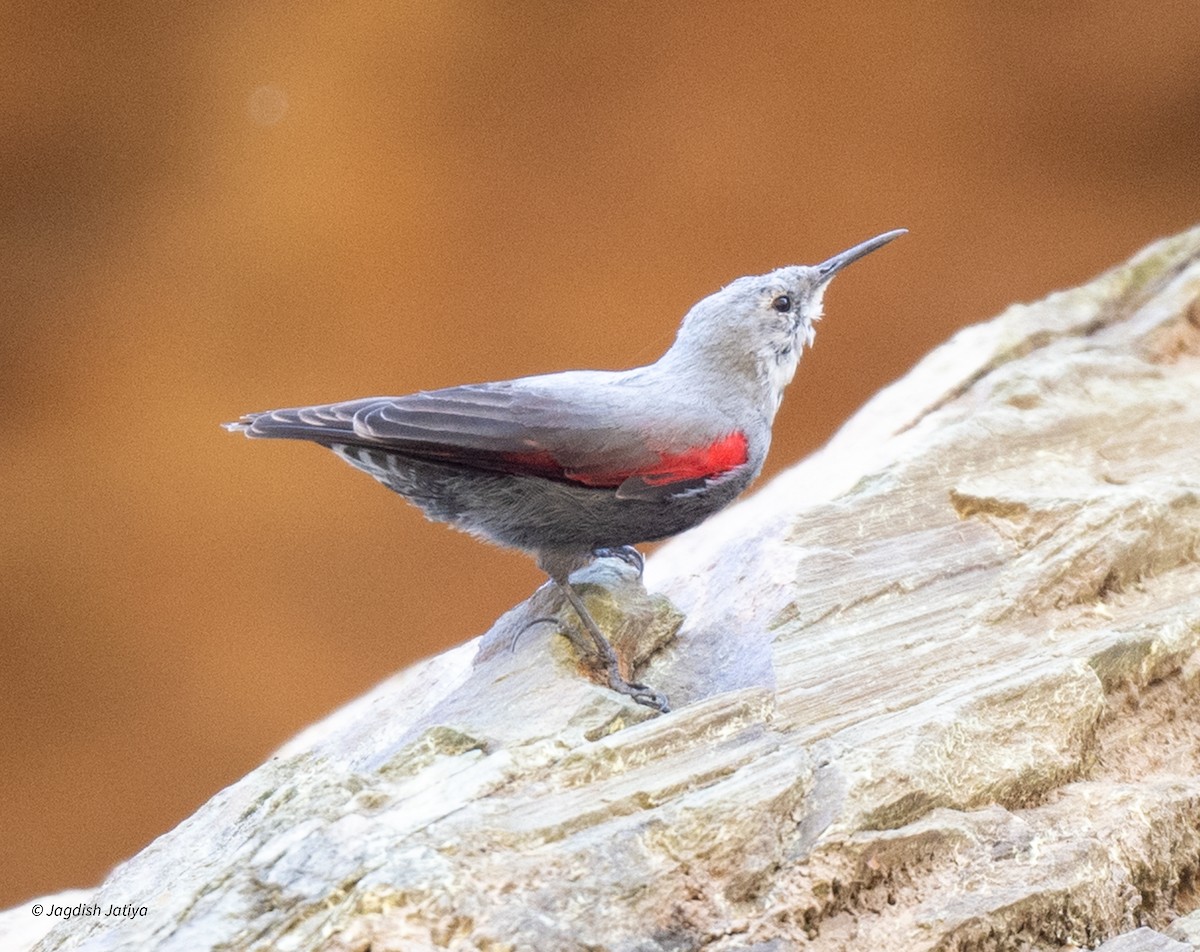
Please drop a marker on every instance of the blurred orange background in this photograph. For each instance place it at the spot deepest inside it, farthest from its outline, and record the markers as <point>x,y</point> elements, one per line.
<point>216,208</point>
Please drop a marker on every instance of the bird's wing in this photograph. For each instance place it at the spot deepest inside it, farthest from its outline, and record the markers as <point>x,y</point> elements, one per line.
<point>522,429</point>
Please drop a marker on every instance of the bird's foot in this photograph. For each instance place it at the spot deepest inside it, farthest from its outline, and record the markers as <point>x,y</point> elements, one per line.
<point>604,653</point>
<point>626,553</point>
<point>639,692</point>
<point>607,658</point>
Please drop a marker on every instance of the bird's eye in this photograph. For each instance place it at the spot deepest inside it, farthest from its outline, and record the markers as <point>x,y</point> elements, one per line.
<point>782,304</point>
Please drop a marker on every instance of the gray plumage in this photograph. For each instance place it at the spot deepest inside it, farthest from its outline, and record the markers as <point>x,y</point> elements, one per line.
<point>560,465</point>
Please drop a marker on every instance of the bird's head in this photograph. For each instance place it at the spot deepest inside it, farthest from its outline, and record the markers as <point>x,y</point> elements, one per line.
<point>756,326</point>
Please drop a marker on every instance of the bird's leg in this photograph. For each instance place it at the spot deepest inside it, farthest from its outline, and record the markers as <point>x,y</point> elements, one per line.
<point>626,553</point>
<point>639,692</point>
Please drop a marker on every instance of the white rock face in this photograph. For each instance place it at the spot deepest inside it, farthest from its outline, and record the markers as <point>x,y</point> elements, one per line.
<point>936,687</point>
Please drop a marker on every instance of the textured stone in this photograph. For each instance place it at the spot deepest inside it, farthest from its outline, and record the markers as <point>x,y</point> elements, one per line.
<point>935,688</point>
<point>1186,929</point>
<point>1143,940</point>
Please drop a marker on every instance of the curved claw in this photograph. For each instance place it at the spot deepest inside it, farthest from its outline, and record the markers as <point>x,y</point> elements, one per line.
<point>640,693</point>
<point>540,620</point>
<point>626,553</point>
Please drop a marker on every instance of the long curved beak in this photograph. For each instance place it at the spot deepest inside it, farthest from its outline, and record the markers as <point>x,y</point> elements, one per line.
<point>827,269</point>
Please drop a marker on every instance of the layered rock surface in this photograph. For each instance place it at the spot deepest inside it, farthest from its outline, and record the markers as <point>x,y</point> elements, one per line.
<point>936,687</point>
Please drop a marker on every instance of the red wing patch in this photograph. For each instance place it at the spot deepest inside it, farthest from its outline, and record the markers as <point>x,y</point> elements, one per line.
<point>702,462</point>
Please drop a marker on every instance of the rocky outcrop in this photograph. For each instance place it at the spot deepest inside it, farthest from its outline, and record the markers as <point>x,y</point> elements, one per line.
<point>935,688</point>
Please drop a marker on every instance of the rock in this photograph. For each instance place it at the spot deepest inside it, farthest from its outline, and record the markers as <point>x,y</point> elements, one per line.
<point>22,926</point>
<point>935,687</point>
<point>1143,940</point>
<point>1186,929</point>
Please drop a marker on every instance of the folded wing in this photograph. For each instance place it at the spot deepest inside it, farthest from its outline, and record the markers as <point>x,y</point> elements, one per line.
<point>520,430</point>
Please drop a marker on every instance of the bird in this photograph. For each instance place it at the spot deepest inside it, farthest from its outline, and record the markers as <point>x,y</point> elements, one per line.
<point>582,464</point>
